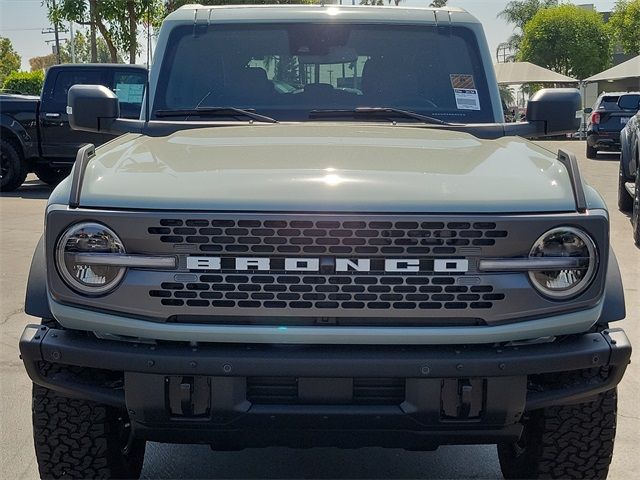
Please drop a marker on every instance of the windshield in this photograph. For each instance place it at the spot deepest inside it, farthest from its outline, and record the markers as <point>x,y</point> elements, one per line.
<point>286,71</point>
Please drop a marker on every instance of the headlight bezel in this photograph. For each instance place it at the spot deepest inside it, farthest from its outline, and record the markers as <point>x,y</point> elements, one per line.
<point>68,277</point>
<point>588,278</point>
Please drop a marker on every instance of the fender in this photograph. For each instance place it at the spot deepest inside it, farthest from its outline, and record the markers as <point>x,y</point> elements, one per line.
<point>36,302</point>
<point>613,307</point>
<point>27,142</point>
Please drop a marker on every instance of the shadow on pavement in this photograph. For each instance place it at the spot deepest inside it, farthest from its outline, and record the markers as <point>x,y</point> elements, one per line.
<point>608,156</point>
<point>32,189</point>
<point>164,461</point>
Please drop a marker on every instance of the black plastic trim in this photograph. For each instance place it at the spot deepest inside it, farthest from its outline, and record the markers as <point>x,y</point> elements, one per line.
<point>613,307</point>
<point>570,162</point>
<point>36,300</point>
<point>85,154</point>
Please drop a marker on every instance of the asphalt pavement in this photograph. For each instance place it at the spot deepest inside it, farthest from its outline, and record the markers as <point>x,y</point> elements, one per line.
<point>21,221</point>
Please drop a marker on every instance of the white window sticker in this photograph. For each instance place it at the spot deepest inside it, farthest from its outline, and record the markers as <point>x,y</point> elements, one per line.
<point>467,99</point>
<point>129,93</point>
<point>464,88</point>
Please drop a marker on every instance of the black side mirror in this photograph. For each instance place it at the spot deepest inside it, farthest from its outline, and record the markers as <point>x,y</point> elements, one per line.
<point>553,111</point>
<point>629,102</point>
<point>92,108</point>
<point>588,110</point>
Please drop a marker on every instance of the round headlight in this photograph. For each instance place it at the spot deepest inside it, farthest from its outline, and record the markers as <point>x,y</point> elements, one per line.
<point>88,238</point>
<point>564,242</point>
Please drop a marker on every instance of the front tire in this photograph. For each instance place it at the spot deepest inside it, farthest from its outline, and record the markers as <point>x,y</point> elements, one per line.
<point>570,441</point>
<point>625,201</point>
<point>82,439</point>
<point>13,168</point>
<point>51,175</point>
<point>635,215</point>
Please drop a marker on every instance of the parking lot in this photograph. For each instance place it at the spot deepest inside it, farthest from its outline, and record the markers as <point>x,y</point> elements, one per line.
<point>21,220</point>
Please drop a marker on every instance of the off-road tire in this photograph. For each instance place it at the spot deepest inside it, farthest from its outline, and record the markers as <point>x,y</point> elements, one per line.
<point>571,441</point>
<point>13,168</point>
<point>81,439</point>
<point>51,175</point>
<point>625,201</point>
<point>635,215</point>
<point>592,152</point>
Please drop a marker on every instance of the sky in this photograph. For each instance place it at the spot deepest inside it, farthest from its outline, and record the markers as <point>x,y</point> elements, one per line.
<point>22,21</point>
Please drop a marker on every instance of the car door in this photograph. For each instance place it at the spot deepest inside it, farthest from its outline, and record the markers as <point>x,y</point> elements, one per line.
<point>59,141</point>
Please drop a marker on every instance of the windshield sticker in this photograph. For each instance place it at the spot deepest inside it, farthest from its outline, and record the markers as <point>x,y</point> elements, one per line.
<point>467,99</point>
<point>465,91</point>
<point>464,82</point>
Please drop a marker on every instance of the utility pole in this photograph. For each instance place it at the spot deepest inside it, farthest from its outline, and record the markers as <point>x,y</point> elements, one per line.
<point>57,37</point>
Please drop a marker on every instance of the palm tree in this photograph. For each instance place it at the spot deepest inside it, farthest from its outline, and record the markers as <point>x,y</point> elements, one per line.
<point>519,12</point>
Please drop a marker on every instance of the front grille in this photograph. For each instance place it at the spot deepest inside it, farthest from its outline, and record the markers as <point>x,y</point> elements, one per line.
<point>364,391</point>
<point>336,237</point>
<point>343,292</point>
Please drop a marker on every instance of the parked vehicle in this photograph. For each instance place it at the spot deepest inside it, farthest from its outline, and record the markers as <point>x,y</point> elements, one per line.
<point>606,121</point>
<point>628,193</point>
<point>34,131</point>
<point>388,264</point>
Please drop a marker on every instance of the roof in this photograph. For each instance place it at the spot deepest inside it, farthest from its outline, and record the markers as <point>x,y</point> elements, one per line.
<point>628,69</point>
<point>100,65</point>
<point>525,72</point>
<point>310,13</point>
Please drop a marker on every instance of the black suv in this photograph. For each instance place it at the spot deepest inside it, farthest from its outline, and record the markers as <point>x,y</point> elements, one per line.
<point>606,121</point>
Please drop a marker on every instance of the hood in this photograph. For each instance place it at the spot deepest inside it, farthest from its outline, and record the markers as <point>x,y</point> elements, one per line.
<point>326,167</point>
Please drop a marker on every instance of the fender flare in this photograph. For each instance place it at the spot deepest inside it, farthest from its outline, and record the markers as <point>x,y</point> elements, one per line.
<point>613,307</point>
<point>36,301</point>
<point>625,154</point>
<point>28,144</point>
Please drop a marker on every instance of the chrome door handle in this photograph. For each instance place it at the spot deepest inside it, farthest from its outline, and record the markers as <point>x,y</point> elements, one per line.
<point>52,115</point>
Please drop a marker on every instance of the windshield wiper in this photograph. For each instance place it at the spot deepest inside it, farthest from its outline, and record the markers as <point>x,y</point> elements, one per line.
<point>217,112</point>
<point>376,112</point>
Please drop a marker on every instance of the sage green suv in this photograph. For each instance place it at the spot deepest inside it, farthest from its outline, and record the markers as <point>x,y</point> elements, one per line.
<point>370,257</point>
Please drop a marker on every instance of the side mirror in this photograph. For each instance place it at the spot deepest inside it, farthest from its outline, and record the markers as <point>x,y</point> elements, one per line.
<point>92,108</point>
<point>553,111</point>
<point>629,102</point>
<point>588,110</point>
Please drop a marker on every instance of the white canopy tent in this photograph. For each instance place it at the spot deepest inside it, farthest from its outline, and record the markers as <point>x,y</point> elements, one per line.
<point>518,73</point>
<point>626,70</point>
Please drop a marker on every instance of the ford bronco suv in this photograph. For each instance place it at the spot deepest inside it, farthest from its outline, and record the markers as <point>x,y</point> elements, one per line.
<point>322,232</point>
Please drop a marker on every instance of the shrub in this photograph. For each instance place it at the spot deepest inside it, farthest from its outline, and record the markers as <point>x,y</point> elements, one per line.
<point>27,83</point>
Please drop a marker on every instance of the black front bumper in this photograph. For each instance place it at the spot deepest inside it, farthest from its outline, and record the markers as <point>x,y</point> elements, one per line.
<point>258,395</point>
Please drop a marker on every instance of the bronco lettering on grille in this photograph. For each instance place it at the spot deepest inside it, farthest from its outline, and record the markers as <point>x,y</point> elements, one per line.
<point>329,264</point>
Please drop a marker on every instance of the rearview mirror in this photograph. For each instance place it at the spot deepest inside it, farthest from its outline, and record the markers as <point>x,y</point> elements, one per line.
<point>92,107</point>
<point>629,102</point>
<point>553,111</point>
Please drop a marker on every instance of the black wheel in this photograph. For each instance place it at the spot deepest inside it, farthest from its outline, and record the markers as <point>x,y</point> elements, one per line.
<point>51,175</point>
<point>571,441</point>
<point>635,215</point>
<point>82,439</point>
<point>592,152</point>
<point>625,201</point>
<point>13,168</point>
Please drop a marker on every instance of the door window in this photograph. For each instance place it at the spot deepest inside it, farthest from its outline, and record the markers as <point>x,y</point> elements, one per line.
<point>129,87</point>
<point>65,80</point>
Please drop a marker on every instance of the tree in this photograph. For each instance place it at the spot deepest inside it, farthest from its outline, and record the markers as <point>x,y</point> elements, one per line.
<point>27,83</point>
<point>43,62</point>
<point>519,13</point>
<point>9,58</point>
<point>624,25</point>
<point>567,39</point>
